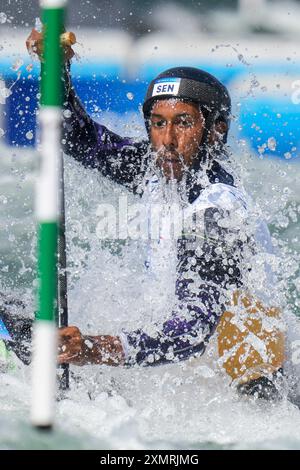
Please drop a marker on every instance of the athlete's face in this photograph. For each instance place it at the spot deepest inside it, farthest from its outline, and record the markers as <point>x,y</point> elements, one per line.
<point>176,130</point>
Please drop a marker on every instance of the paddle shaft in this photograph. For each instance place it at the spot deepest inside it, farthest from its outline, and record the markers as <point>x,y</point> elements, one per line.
<point>62,312</point>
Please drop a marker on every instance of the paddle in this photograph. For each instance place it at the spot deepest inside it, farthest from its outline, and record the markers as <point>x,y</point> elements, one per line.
<point>62,311</point>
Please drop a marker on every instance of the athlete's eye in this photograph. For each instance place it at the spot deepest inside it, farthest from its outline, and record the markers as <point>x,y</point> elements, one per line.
<point>158,123</point>
<point>185,122</point>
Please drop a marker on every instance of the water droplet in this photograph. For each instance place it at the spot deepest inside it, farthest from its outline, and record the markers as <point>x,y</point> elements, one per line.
<point>17,64</point>
<point>287,155</point>
<point>29,135</point>
<point>3,17</point>
<point>1,132</point>
<point>254,83</point>
<point>3,200</point>
<point>262,148</point>
<point>67,113</point>
<point>272,143</point>
<point>4,92</point>
<point>130,96</point>
<point>38,25</point>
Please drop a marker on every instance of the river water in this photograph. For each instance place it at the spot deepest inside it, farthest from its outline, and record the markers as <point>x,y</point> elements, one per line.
<point>172,407</point>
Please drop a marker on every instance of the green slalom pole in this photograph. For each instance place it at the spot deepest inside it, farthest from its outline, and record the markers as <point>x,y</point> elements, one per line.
<point>48,215</point>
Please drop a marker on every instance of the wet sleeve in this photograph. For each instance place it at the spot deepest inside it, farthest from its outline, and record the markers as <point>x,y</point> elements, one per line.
<point>121,159</point>
<point>206,270</point>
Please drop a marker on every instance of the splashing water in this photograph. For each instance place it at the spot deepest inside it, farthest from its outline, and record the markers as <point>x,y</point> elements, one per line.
<point>3,17</point>
<point>4,92</point>
<point>239,56</point>
<point>272,143</point>
<point>176,406</point>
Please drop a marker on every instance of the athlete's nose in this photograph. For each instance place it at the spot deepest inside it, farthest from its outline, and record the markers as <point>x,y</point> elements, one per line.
<point>169,137</point>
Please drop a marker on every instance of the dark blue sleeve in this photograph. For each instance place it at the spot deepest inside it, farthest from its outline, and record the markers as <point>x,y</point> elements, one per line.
<point>201,292</point>
<point>120,159</point>
<point>185,334</point>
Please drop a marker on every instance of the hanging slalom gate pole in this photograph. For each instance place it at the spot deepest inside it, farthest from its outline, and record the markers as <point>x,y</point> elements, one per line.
<point>47,211</point>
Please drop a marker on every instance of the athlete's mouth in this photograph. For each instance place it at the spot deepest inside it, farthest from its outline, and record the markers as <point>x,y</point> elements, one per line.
<point>169,157</point>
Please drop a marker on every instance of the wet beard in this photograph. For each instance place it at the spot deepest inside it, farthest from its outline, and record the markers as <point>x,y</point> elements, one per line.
<point>171,165</point>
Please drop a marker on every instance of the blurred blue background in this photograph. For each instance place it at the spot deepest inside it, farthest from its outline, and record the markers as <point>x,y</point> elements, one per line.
<point>250,45</point>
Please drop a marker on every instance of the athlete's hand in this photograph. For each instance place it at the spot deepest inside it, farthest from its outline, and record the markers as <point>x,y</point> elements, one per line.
<point>71,346</point>
<point>34,44</point>
<point>75,348</point>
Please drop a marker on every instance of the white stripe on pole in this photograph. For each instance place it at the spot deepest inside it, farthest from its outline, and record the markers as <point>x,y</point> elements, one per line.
<point>47,194</point>
<point>53,3</point>
<point>44,373</point>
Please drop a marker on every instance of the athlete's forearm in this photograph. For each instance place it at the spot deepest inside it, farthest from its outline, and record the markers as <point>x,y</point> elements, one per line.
<point>79,137</point>
<point>186,333</point>
<point>201,290</point>
<point>119,158</point>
